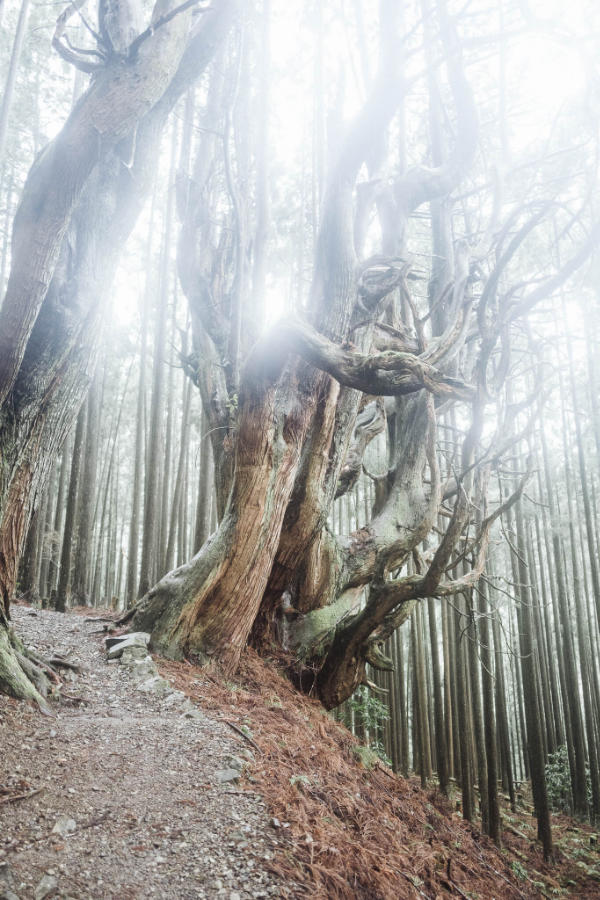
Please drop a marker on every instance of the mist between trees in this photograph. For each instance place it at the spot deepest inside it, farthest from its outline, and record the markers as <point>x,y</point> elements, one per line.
<point>298,351</point>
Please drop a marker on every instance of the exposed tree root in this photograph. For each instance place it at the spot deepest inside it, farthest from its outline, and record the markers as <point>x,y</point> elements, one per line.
<point>19,676</point>
<point>25,675</point>
<point>57,662</point>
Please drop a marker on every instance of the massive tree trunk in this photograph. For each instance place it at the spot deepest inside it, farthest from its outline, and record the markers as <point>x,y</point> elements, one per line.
<point>300,434</point>
<point>79,203</point>
<point>289,435</point>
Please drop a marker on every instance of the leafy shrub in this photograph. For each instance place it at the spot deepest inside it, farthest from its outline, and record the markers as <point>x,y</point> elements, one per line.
<point>558,781</point>
<point>370,714</point>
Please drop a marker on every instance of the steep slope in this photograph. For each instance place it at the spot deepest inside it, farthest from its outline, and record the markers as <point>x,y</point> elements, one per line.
<point>359,832</point>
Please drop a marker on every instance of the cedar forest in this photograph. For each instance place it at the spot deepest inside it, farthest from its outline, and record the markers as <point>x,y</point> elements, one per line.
<point>298,370</point>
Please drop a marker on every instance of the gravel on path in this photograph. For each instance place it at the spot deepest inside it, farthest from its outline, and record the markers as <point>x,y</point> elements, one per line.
<point>129,799</point>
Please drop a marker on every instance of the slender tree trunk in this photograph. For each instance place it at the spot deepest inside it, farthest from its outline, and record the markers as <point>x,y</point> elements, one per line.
<point>422,703</point>
<point>64,581</point>
<point>500,692</point>
<point>59,509</point>
<point>138,465</point>
<point>558,728</point>
<point>403,718</point>
<point>28,570</point>
<point>543,684</point>
<point>477,714</point>
<point>150,532</point>
<point>81,573</point>
<point>448,696</point>
<point>572,683</point>
<point>166,462</point>
<point>9,85</point>
<point>532,699</point>
<point>45,537</point>
<point>465,741</point>
<point>440,732</point>
<point>178,488</point>
<point>489,718</point>
<point>262,191</point>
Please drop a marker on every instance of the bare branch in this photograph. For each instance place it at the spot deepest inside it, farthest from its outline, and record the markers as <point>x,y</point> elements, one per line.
<point>65,50</point>
<point>133,48</point>
<point>553,283</point>
<point>390,373</point>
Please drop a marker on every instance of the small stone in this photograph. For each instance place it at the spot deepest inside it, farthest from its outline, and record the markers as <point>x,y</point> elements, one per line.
<point>174,697</point>
<point>131,655</point>
<point>154,685</point>
<point>7,894</point>
<point>47,886</point>
<point>275,823</point>
<point>140,668</point>
<point>65,825</point>
<point>115,647</point>
<point>225,776</point>
<point>192,712</point>
<point>141,638</point>
<point>7,882</point>
<point>234,762</point>
<point>234,896</point>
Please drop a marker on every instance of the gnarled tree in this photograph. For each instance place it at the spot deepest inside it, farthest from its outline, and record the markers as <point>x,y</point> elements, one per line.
<point>292,411</point>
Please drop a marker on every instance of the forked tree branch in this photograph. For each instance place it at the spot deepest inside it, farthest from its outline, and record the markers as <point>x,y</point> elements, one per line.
<point>391,603</point>
<point>63,47</point>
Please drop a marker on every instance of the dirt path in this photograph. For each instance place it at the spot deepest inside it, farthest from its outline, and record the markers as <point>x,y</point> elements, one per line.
<point>129,801</point>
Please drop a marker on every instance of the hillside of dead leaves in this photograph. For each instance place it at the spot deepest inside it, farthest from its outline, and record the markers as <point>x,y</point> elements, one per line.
<point>357,832</point>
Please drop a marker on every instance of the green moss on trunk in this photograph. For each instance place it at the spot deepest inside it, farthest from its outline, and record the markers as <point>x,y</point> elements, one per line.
<point>13,680</point>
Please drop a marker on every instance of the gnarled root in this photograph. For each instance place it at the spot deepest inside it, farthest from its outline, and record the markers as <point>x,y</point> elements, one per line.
<point>21,676</point>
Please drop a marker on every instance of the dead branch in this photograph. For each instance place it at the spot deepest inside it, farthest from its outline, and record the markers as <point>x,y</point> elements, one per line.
<point>15,798</point>
<point>63,47</point>
<point>239,731</point>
